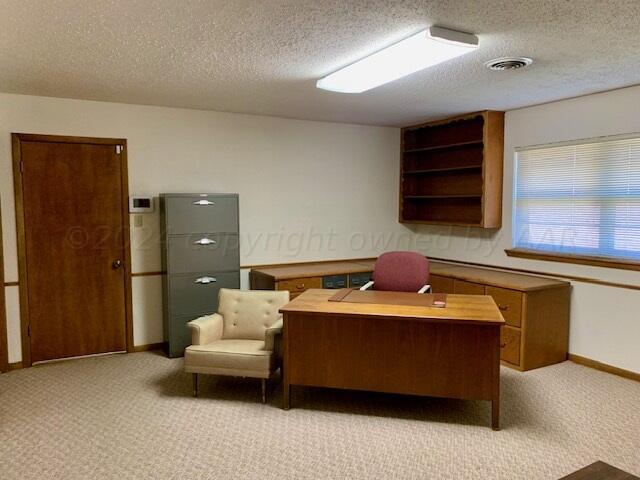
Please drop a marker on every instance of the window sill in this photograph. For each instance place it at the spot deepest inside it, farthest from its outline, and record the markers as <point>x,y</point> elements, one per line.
<point>619,263</point>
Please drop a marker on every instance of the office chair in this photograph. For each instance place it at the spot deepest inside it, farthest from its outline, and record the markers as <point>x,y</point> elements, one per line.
<point>400,272</point>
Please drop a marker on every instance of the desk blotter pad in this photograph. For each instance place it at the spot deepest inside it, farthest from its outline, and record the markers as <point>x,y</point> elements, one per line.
<point>390,298</point>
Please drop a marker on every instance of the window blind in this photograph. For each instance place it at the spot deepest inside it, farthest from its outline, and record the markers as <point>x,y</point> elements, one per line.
<point>580,198</point>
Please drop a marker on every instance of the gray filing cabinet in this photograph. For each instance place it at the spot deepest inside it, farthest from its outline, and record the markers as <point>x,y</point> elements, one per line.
<point>201,254</point>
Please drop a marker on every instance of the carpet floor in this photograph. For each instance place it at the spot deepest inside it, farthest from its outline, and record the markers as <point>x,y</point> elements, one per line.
<point>132,417</point>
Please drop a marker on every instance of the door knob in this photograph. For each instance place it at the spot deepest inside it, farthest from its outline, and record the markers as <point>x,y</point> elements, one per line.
<point>117,264</point>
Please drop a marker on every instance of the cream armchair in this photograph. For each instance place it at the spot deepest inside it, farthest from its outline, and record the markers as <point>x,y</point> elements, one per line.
<point>239,340</point>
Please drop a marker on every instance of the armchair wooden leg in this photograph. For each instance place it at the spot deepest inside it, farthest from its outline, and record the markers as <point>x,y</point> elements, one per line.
<point>194,376</point>
<point>264,390</point>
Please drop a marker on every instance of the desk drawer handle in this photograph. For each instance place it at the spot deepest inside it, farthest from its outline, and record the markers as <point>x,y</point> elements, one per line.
<point>204,241</point>
<point>203,202</point>
<point>205,280</point>
<point>300,287</point>
<point>503,307</point>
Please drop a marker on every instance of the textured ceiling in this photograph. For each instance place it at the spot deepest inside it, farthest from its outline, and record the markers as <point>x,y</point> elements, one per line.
<point>264,57</point>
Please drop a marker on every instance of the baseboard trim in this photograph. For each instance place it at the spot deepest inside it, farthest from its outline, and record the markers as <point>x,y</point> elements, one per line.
<point>148,347</point>
<point>587,362</point>
<point>15,366</point>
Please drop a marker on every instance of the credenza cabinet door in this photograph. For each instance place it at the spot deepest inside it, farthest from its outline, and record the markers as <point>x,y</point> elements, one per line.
<point>440,284</point>
<point>510,345</point>
<point>462,287</point>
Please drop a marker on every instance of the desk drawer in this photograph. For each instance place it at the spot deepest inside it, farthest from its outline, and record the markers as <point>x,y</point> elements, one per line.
<point>510,345</point>
<point>510,304</point>
<point>462,287</point>
<point>299,285</point>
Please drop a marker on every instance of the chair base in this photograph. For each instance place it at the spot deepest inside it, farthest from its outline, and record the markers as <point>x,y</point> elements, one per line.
<point>263,382</point>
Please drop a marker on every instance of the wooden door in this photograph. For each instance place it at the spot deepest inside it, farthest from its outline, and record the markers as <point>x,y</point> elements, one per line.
<point>4,355</point>
<point>73,202</point>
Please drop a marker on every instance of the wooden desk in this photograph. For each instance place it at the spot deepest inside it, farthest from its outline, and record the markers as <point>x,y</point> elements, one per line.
<point>451,352</point>
<point>536,309</point>
<point>600,471</point>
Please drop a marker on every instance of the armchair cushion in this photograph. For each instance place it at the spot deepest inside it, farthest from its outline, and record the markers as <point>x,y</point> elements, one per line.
<point>206,329</point>
<point>247,314</point>
<point>230,357</point>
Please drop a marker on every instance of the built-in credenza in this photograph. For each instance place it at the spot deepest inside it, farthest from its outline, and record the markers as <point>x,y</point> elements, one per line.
<point>536,309</point>
<point>299,277</point>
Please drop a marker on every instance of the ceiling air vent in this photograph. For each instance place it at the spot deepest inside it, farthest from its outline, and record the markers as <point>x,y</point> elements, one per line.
<point>508,63</point>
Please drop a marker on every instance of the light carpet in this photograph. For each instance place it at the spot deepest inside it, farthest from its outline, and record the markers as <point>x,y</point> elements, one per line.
<point>132,417</point>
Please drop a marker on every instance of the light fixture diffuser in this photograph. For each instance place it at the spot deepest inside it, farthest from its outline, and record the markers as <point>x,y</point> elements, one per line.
<point>417,52</point>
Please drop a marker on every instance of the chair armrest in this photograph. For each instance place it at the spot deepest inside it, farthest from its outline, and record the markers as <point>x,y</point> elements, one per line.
<point>425,289</point>
<point>206,329</point>
<point>366,286</point>
<point>271,333</point>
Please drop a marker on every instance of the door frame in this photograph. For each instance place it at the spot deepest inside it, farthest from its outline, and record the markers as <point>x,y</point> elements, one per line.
<point>4,349</point>
<point>16,145</point>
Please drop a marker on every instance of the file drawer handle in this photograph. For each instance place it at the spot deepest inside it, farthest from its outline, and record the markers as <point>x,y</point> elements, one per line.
<point>205,280</point>
<point>503,307</point>
<point>203,202</point>
<point>204,241</point>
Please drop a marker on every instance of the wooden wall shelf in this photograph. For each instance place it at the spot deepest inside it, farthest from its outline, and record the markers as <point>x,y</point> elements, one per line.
<point>451,171</point>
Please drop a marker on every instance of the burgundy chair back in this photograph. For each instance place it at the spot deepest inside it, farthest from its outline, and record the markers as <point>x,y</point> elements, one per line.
<point>401,272</point>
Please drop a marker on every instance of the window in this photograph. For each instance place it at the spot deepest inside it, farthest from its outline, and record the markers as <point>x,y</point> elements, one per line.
<point>579,199</point>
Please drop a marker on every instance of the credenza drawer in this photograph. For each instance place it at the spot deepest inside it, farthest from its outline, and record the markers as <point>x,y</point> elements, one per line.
<point>299,285</point>
<point>510,345</point>
<point>462,287</point>
<point>357,280</point>
<point>334,281</point>
<point>509,302</point>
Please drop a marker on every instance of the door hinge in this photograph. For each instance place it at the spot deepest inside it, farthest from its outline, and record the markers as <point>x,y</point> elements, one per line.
<point>119,149</point>
<point>21,166</point>
<point>29,330</point>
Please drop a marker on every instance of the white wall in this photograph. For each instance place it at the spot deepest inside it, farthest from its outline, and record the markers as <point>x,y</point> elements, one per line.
<point>308,190</point>
<point>311,191</point>
<point>605,324</point>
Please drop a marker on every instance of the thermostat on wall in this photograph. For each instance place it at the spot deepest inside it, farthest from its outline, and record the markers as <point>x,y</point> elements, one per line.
<point>140,204</point>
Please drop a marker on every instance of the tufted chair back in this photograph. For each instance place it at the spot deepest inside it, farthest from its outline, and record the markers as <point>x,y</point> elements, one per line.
<point>248,313</point>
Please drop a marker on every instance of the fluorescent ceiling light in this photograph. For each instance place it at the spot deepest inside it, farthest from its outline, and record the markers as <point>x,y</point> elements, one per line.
<point>424,49</point>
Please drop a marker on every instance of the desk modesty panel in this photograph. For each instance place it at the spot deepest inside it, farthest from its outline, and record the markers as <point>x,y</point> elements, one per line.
<point>451,352</point>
